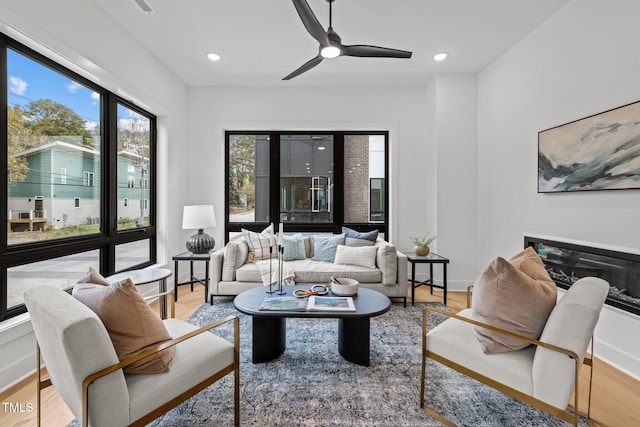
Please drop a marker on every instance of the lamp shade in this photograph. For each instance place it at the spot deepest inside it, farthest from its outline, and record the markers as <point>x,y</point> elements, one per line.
<point>196,217</point>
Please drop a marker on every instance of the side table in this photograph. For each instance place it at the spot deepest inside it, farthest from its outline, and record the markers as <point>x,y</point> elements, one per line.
<point>144,276</point>
<point>191,257</point>
<point>430,259</point>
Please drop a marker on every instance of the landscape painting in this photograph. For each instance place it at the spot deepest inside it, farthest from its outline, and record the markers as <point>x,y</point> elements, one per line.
<point>600,152</point>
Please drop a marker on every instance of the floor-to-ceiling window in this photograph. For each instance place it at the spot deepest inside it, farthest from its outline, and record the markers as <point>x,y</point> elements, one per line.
<point>80,167</point>
<point>310,181</point>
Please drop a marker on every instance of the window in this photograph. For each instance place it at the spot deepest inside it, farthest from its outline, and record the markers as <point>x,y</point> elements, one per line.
<point>134,166</point>
<point>311,181</point>
<point>60,134</point>
<point>87,179</point>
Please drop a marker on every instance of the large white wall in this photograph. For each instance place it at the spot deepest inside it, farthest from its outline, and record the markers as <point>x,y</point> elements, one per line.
<point>580,62</point>
<point>82,37</point>
<point>400,110</point>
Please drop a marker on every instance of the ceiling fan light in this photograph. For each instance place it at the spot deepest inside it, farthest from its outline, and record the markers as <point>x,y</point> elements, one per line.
<point>213,56</point>
<point>441,56</point>
<point>330,52</point>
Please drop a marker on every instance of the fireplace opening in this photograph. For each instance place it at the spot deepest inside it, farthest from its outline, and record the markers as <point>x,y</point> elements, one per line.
<point>568,262</point>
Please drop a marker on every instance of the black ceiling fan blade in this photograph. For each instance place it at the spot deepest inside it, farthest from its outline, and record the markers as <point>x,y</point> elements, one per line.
<point>306,67</point>
<point>374,52</point>
<point>310,22</point>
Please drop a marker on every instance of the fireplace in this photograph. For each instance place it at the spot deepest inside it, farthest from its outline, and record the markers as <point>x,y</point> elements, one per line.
<point>567,262</point>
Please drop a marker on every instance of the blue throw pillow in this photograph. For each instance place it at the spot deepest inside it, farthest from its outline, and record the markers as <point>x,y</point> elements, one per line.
<point>293,247</point>
<point>324,248</point>
<point>355,238</point>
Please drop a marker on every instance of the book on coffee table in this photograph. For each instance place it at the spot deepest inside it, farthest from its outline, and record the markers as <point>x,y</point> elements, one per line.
<point>284,304</point>
<point>320,303</point>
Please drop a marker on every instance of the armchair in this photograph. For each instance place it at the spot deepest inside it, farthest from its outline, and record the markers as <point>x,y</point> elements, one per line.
<point>83,366</point>
<point>544,374</point>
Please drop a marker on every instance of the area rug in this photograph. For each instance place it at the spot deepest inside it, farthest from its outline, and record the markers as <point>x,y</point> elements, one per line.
<point>311,385</point>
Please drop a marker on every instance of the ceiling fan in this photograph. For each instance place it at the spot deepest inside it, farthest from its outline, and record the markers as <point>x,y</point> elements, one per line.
<point>331,44</point>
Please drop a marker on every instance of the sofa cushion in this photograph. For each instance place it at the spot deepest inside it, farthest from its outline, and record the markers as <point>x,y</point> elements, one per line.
<point>324,247</point>
<point>387,261</point>
<point>310,271</point>
<point>235,255</point>
<point>132,325</point>
<point>516,295</point>
<point>357,255</point>
<point>261,245</point>
<point>249,272</point>
<point>308,246</point>
<point>293,247</point>
<point>355,238</point>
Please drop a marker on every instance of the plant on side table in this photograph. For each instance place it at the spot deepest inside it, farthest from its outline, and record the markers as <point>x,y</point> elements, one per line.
<point>422,245</point>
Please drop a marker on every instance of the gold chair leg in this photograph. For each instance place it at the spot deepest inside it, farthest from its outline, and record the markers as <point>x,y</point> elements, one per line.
<point>38,385</point>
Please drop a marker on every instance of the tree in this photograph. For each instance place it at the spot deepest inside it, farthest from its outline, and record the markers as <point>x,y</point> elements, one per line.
<point>242,166</point>
<point>47,117</point>
<point>20,138</point>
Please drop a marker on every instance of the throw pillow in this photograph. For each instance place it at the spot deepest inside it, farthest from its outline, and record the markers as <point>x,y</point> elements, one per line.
<point>293,247</point>
<point>261,245</point>
<point>516,295</point>
<point>131,323</point>
<point>324,247</point>
<point>364,256</point>
<point>355,238</point>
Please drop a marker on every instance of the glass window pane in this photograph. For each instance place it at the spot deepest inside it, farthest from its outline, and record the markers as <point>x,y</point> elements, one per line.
<point>364,175</point>
<point>248,178</point>
<point>134,168</point>
<point>306,178</point>
<point>61,273</point>
<point>53,153</point>
<point>130,254</point>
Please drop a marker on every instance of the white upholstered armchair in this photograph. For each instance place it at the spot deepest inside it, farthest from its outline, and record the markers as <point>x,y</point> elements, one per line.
<point>543,374</point>
<point>84,368</point>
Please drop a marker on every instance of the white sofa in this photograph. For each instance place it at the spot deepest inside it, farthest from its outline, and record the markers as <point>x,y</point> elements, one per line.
<point>230,274</point>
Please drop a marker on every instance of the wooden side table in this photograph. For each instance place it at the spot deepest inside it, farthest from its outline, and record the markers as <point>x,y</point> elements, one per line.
<point>430,259</point>
<point>191,257</point>
<point>144,276</point>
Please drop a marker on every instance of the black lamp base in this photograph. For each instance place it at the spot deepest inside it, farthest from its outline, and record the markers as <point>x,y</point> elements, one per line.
<point>200,243</point>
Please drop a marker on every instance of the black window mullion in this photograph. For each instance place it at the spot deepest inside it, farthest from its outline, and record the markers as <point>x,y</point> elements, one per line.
<point>274,180</point>
<point>338,181</point>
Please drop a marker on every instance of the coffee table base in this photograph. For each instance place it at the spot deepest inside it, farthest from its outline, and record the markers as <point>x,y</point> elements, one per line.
<point>270,339</point>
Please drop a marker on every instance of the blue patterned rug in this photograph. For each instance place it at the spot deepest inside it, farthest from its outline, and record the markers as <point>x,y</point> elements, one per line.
<point>311,385</point>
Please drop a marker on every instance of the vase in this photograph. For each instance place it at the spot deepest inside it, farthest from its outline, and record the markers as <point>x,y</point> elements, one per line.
<point>421,250</point>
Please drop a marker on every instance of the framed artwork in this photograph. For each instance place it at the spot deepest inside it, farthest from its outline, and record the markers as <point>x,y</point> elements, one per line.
<point>600,152</point>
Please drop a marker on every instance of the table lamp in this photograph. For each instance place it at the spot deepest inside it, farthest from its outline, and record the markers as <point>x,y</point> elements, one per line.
<point>198,217</point>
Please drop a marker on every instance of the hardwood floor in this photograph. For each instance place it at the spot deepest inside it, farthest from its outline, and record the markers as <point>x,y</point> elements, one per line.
<point>615,401</point>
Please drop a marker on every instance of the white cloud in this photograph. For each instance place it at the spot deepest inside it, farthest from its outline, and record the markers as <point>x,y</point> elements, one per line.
<point>91,126</point>
<point>17,86</point>
<point>95,96</point>
<point>73,86</point>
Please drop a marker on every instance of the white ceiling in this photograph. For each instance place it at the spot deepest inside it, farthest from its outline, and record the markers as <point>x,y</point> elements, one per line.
<point>261,41</point>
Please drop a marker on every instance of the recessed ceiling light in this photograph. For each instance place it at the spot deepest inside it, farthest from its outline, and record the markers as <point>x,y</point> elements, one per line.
<point>213,56</point>
<point>440,56</point>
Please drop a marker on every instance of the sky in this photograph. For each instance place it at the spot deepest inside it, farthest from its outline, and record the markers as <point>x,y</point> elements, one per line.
<point>29,81</point>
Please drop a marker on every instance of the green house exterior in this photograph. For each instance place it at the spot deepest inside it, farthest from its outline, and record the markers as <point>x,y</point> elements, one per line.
<point>64,183</point>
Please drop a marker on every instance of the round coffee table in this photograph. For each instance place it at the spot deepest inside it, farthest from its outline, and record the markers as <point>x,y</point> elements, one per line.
<point>270,328</point>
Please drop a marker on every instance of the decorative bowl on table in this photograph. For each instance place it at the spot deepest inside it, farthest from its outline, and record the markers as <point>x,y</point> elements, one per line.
<point>344,287</point>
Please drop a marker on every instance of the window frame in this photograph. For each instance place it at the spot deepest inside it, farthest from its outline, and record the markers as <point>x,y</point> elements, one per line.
<point>338,190</point>
<point>109,236</point>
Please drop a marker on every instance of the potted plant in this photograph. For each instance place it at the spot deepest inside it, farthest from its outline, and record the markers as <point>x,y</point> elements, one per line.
<point>422,245</point>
